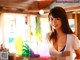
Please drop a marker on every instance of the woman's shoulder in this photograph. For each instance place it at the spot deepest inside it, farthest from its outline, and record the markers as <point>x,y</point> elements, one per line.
<point>72,36</point>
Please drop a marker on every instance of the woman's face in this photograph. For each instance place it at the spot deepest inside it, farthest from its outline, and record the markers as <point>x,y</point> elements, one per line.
<point>55,23</point>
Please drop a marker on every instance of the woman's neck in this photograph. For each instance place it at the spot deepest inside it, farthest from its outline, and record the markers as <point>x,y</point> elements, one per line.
<point>60,33</point>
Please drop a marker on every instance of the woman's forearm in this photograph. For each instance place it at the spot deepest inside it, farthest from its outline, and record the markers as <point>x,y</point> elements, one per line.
<point>77,57</point>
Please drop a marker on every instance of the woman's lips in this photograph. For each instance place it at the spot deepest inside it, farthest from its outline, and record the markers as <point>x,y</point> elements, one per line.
<point>55,25</point>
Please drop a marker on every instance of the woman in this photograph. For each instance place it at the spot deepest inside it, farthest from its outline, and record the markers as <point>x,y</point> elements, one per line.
<point>63,43</point>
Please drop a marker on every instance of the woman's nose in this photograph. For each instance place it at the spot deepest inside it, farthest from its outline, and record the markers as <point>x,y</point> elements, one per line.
<point>53,21</point>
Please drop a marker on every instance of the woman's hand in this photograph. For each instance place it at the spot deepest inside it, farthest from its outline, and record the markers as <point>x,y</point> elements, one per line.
<point>65,53</point>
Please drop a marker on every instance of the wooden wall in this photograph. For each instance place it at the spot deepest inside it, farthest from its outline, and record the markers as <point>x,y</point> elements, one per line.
<point>76,17</point>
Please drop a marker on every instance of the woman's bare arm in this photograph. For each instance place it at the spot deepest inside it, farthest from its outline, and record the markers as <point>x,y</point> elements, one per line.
<point>77,53</point>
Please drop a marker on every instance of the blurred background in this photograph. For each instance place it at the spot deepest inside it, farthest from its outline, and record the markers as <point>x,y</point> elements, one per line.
<point>24,24</point>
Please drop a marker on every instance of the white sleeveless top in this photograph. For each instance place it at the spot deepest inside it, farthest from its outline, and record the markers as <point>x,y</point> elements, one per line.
<point>72,43</point>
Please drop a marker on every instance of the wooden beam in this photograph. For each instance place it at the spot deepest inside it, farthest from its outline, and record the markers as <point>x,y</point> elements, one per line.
<point>76,8</point>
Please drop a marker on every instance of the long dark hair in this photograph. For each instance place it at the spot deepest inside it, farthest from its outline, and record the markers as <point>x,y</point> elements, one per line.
<point>59,12</point>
